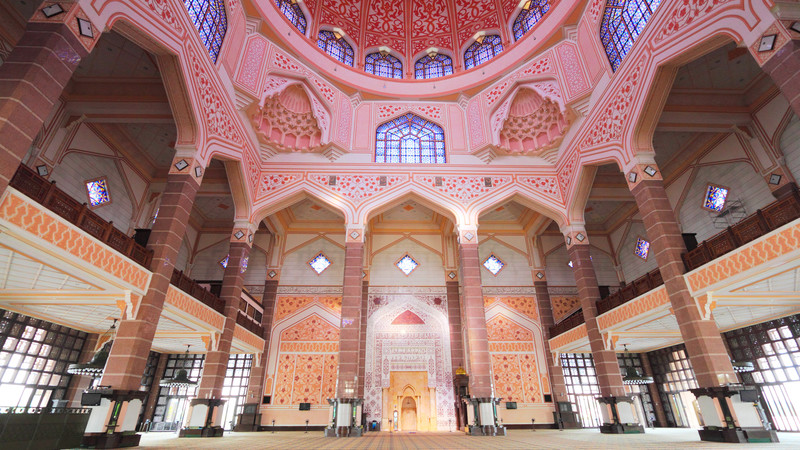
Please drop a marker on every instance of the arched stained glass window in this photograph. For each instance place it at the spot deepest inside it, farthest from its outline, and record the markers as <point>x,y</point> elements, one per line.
<point>383,65</point>
<point>623,21</point>
<point>293,12</point>
<point>483,50</point>
<point>335,46</point>
<point>211,21</point>
<point>433,67</point>
<point>409,139</point>
<point>531,13</point>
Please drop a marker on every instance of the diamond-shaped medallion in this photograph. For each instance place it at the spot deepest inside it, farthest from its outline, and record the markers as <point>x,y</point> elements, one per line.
<point>354,234</point>
<point>239,234</point>
<point>182,164</point>
<point>493,264</point>
<point>539,275</point>
<point>272,273</point>
<point>451,274</point>
<point>580,237</point>
<point>469,236</point>
<point>319,263</point>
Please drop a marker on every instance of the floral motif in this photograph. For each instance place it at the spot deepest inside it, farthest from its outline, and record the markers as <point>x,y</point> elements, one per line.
<point>524,305</point>
<point>214,108</point>
<point>358,188</point>
<point>288,305</point>
<point>543,184</point>
<point>271,182</point>
<point>501,328</point>
<point>313,328</point>
<point>254,57</point>
<point>463,188</point>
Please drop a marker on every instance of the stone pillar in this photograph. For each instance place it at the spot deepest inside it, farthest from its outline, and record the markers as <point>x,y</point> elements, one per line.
<point>346,407</point>
<point>706,348</point>
<point>152,397</point>
<point>454,319</point>
<point>557,386</point>
<point>481,389</point>
<point>652,389</point>
<point>206,409</point>
<point>258,371</point>
<point>128,357</point>
<point>362,355</point>
<point>784,69</point>
<point>33,77</point>
<point>79,383</point>
<point>618,410</point>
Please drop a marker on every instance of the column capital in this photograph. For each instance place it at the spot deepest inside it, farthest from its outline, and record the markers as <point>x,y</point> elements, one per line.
<point>773,39</point>
<point>187,165</point>
<point>467,234</point>
<point>354,234</point>
<point>243,232</point>
<point>70,14</point>
<point>575,234</point>
<point>539,275</point>
<point>642,171</point>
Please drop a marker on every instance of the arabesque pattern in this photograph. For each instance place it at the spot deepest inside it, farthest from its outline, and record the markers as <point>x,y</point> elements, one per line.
<point>288,305</point>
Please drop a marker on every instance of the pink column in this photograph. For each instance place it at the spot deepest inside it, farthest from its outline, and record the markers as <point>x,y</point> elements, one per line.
<point>557,386</point>
<point>454,319</point>
<point>33,77</point>
<point>362,355</point>
<point>784,69</point>
<point>128,357</point>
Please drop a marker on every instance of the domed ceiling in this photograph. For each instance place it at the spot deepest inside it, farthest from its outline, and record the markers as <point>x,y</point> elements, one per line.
<point>409,27</point>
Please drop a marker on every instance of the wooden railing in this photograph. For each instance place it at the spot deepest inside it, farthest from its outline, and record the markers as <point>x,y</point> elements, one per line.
<point>767,219</point>
<point>48,195</point>
<point>640,286</point>
<point>574,320</point>
<point>249,324</point>
<point>197,291</point>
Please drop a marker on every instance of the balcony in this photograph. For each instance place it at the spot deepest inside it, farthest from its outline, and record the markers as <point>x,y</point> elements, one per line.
<point>197,291</point>
<point>640,286</point>
<point>46,193</point>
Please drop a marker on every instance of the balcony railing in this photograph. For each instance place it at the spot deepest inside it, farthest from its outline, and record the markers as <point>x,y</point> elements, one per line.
<point>48,195</point>
<point>640,286</point>
<point>769,218</point>
<point>765,220</point>
<point>249,324</point>
<point>574,320</point>
<point>197,291</point>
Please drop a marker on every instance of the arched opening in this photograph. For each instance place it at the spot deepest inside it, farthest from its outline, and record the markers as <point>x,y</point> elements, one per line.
<point>408,415</point>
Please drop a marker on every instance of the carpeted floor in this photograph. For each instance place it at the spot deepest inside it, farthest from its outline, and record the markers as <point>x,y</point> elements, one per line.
<point>517,439</point>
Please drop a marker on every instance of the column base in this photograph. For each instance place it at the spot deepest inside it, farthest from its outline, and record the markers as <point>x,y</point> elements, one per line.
<point>249,419</point>
<point>342,410</point>
<point>343,432</point>
<point>201,432</point>
<point>486,430</point>
<point>114,440</point>
<point>621,428</point>
<point>738,435</point>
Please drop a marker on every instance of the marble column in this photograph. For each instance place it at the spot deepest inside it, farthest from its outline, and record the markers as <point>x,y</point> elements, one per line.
<point>723,412</point>
<point>207,406</point>
<point>33,77</point>
<point>618,409</point>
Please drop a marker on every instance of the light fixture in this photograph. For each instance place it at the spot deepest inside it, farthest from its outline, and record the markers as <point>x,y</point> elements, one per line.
<point>650,171</point>
<point>97,365</point>
<point>767,43</point>
<point>743,366</point>
<point>775,179</point>
<point>85,28</point>
<point>632,376</point>
<point>239,234</point>
<point>569,240</point>
<point>795,27</point>
<point>539,275</point>
<point>198,171</point>
<point>182,164</point>
<point>181,379</point>
<point>42,170</point>
<point>632,177</point>
<point>580,237</point>
<point>52,10</point>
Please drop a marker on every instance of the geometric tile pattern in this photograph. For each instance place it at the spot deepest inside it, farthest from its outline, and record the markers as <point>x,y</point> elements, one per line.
<point>289,304</point>
<point>523,305</point>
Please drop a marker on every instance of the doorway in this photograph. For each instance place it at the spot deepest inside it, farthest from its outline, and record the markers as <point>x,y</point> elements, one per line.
<point>409,415</point>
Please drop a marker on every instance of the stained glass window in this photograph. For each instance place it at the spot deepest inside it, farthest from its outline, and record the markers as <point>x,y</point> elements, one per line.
<point>433,67</point>
<point>623,21</point>
<point>211,21</point>
<point>98,192</point>
<point>319,263</point>
<point>482,50</point>
<point>224,261</point>
<point>383,65</point>
<point>715,198</point>
<point>409,139</point>
<point>493,264</point>
<point>407,264</point>
<point>292,11</point>
<point>531,13</point>
<point>642,248</point>
<point>335,46</point>
<point>243,268</point>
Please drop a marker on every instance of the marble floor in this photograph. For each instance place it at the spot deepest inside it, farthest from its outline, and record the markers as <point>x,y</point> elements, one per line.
<point>663,438</point>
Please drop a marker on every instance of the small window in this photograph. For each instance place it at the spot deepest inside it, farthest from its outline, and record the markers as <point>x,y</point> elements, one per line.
<point>531,13</point>
<point>493,264</point>
<point>482,50</point>
<point>715,198</point>
<point>319,263</point>
<point>383,65</point>
<point>642,248</point>
<point>623,21</point>
<point>433,66</point>
<point>245,261</point>
<point>97,190</point>
<point>224,261</point>
<point>335,45</point>
<point>409,139</point>
<point>292,11</point>
<point>406,264</point>
<point>211,21</point>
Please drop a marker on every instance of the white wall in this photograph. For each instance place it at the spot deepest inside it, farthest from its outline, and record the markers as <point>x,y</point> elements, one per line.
<point>430,271</point>
<point>633,266</point>
<point>296,271</point>
<point>516,271</point>
<point>790,145</point>
<point>557,271</point>
<point>744,184</point>
<point>604,268</point>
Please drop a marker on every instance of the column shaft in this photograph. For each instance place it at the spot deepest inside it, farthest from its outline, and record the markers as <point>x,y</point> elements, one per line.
<point>605,361</point>
<point>128,357</point>
<point>557,386</point>
<point>707,353</point>
<point>474,319</point>
<point>362,355</point>
<point>454,319</point>
<point>216,362</point>
<point>350,330</point>
<point>255,385</point>
<point>784,69</point>
<point>32,79</point>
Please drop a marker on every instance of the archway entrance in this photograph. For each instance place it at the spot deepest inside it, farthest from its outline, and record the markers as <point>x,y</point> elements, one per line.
<point>409,415</point>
